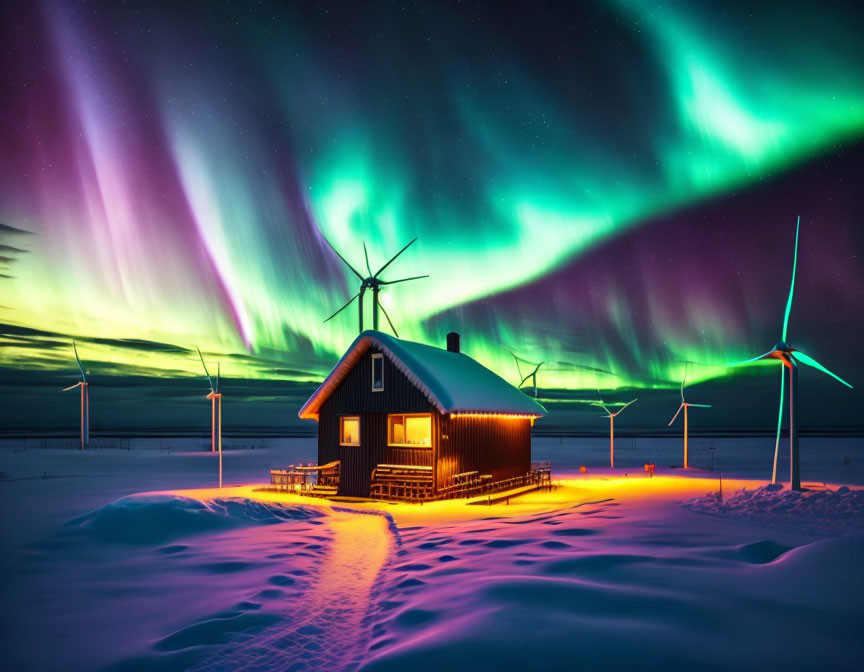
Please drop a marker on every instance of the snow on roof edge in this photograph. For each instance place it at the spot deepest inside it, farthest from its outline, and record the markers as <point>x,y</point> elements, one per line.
<point>397,353</point>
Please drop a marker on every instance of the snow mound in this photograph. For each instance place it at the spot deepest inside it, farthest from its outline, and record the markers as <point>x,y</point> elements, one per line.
<point>828,512</point>
<point>153,519</point>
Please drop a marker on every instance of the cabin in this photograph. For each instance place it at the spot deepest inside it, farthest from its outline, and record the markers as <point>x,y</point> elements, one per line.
<point>403,420</point>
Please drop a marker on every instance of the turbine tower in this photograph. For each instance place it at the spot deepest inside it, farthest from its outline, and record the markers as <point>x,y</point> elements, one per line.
<point>612,416</point>
<point>685,405</point>
<point>215,397</point>
<point>85,401</point>
<point>374,283</point>
<point>789,359</point>
<point>532,375</point>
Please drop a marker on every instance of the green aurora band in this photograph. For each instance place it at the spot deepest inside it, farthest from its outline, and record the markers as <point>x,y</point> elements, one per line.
<point>282,129</point>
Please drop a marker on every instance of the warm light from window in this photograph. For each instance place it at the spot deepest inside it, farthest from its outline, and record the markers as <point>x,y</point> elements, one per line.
<point>409,430</point>
<point>349,430</point>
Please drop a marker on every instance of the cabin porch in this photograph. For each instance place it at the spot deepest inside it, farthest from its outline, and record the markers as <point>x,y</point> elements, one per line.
<point>407,482</point>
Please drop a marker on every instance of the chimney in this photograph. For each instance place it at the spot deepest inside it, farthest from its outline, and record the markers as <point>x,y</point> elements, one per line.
<point>453,339</point>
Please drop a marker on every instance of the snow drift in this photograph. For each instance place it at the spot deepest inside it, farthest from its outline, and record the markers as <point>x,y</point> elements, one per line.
<point>156,518</point>
<point>607,588</point>
<point>824,512</point>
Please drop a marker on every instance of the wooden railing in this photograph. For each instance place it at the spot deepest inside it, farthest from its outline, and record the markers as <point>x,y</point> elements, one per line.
<point>402,481</point>
<point>416,484</point>
<point>312,479</point>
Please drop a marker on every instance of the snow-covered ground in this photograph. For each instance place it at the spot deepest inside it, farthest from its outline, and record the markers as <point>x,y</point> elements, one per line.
<point>610,571</point>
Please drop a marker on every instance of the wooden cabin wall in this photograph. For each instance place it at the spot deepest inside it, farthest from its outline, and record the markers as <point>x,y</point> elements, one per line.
<point>415,457</point>
<point>497,446</point>
<point>355,397</point>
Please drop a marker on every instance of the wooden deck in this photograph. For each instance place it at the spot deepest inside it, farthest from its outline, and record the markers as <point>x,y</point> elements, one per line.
<point>310,479</point>
<point>411,483</point>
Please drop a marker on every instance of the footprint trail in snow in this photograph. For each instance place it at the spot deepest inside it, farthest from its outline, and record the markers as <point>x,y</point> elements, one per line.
<point>325,627</point>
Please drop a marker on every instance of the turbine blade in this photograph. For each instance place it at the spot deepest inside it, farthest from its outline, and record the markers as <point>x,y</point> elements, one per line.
<point>343,259</point>
<point>683,380</point>
<point>71,387</point>
<point>779,422</point>
<point>350,301</point>
<point>209,380</point>
<point>218,374</point>
<point>809,361</point>
<point>80,368</point>
<point>600,402</point>
<point>396,333</point>
<point>700,405</point>
<point>518,368</point>
<point>792,285</point>
<point>753,359</point>
<point>626,405</point>
<point>393,282</point>
<point>675,416</point>
<point>366,254</point>
<point>381,270</point>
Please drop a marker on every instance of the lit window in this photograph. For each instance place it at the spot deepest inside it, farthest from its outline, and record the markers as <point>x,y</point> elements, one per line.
<point>377,373</point>
<point>349,430</point>
<point>409,430</point>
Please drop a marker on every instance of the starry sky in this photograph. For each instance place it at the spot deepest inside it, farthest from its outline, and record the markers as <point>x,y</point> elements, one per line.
<point>610,188</point>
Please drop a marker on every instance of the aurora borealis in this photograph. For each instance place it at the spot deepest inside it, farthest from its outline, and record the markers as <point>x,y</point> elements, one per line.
<point>608,187</point>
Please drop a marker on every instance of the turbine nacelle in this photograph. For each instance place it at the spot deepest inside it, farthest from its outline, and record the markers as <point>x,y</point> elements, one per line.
<point>532,375</point>
<point>374,284</point>
<point>215,398</point>
<point>684,403</point>
<point>85,399</point>
<point>782,346</point>
<point>790,358</point>
<point>609,413</point>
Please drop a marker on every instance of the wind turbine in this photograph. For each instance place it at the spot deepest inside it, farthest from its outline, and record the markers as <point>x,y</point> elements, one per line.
<point>532,375</point>
<point>789,359</point>
<point>611,417</point>
<point>373,282</point>
<point>685,405</point>
<point>215,413</point>
<point>85,401</point>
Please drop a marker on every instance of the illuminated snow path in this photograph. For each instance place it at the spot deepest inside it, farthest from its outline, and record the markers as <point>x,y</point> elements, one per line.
<point>324,628</point>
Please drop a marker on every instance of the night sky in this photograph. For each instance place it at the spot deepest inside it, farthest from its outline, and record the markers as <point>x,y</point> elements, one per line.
<point>608,187</point>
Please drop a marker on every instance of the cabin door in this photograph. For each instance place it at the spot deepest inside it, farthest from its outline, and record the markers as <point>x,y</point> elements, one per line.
<point>355,473</point>
<point>360,459</point>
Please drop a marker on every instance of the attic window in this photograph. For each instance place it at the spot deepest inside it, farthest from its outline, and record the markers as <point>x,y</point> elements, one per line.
<point>349,430</point>
<point>377,373</point>
<point>410,430</point>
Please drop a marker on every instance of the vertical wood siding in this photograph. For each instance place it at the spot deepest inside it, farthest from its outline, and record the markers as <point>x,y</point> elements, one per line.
<point>415,457</point>
<point>355,397</point>
<point>494,446</point>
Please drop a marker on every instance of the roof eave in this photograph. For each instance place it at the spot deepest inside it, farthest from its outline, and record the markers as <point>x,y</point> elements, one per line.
<point>309,410</point>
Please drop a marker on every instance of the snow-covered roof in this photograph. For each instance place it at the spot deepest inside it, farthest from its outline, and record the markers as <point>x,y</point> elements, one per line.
<point>452,381</point>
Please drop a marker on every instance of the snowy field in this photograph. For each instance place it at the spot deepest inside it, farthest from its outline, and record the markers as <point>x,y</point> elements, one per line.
<point>610,571</point>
